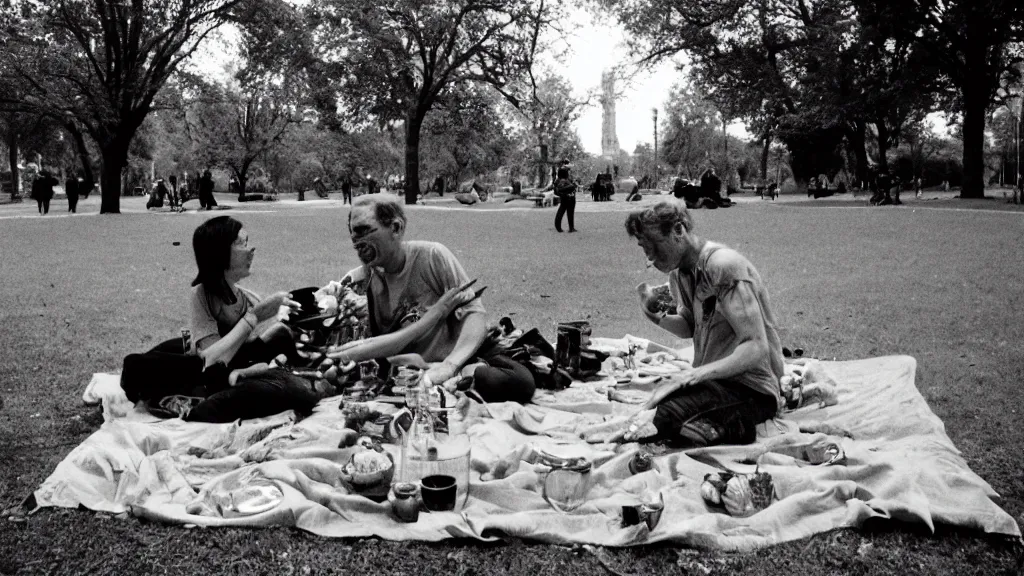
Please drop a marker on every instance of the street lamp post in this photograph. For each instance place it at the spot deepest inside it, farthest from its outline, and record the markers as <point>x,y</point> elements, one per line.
<point>655,112</point>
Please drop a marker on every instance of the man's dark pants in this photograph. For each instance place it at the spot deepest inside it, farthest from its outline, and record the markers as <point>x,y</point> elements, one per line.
<point>716,412</point>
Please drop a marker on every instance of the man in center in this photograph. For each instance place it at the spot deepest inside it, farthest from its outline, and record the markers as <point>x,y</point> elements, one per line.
<point>722,303</point>
<point>405,277</point>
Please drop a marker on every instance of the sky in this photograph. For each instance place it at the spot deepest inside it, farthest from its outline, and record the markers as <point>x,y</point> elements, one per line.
<point>595,46</point>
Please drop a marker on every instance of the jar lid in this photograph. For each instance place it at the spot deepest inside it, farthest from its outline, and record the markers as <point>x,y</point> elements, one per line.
<point>405,490</point>
<point>581,465</point>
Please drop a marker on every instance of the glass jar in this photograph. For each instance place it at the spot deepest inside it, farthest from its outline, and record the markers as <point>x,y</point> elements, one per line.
<point>567,484</point>
<point>406,506</point>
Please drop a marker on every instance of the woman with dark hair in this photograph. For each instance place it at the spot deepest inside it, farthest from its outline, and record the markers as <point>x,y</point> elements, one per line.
<point>231,325</point>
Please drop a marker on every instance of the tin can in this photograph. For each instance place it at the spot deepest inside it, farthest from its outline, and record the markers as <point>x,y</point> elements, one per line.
<point>406,506</point>
<point>642,461</point>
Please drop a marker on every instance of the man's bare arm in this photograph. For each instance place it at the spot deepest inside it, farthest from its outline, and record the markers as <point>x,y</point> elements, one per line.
<point>741,309</point>
<point>471,336</point>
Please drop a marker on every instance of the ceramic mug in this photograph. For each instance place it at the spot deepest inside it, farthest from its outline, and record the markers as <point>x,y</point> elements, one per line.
<point>438,492</point>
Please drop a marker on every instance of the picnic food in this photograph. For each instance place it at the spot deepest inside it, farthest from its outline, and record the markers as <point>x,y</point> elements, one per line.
<point>369,467</point>
<point>742,494</point>
<point>656,299</point>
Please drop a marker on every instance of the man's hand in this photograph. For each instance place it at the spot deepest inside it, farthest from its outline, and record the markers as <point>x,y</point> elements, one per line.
<point>675,382</point>
<point>440,372</point>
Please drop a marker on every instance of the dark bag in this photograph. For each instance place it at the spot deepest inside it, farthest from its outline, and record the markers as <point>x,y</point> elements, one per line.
<point>167,371</point>
<point>573,353</point>
<point>533,344</point>
<point>565,188</point>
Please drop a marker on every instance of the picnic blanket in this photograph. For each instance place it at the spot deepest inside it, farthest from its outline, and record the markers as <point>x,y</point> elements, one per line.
<point>900,465</point>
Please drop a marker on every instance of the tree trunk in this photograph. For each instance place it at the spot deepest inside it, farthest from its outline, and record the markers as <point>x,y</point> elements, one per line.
<point>857,142</point>
<point>115,158</point>
<point>12,158</point>
<point>975,103</point>
<point>83,152</point>
<point>542,168</point>
<point>412,156</point>
<point>883,146</point>
<point>764,157</point>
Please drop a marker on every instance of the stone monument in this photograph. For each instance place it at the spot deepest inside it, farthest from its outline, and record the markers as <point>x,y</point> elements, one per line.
<point>609,138</point>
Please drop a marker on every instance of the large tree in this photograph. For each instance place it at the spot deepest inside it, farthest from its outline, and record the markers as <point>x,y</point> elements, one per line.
<point>234,125</point>
<point>101,64</point>
<point>977,45</point>
<point>549,116</point>
<point>688,129</point>
<point>393,60</point>
<point>465,135</point>
<point>807,72</point>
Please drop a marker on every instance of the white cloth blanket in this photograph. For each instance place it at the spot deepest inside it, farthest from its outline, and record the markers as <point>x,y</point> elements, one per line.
<point>900,465</point>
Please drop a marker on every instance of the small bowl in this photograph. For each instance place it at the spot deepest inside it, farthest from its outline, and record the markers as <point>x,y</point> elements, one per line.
<point>368,479</point>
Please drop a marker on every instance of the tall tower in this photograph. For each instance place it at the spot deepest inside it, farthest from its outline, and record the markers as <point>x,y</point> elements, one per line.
<point>609,138</point>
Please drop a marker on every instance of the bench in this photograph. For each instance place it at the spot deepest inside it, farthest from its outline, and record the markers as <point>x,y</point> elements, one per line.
<point>548,199</point>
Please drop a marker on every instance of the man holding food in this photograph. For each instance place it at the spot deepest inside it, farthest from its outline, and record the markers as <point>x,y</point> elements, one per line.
<point>404,279</point>
<point>721,303</point>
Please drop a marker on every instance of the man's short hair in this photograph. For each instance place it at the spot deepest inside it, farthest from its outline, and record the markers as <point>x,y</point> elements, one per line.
<point>664,215</point>
<point>387,209</point>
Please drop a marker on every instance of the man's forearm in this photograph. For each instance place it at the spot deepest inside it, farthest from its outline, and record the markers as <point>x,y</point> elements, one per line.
<point>743,358</point>
<point>676,325</point>
<point>474,330</point>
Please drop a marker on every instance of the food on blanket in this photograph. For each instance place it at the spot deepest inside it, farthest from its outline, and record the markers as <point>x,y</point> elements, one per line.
<point>642,461</point>
<point>742,494</point>
<point>348,438</point>
<point>641,426</point>
<point>370,467</point>
<point>710,493</point>
<point>644,379</point>
<point>328,304</point>
<point>357,413</point>
<point>256,499</point>
<point>823,393</point>
<point>825,428</point>
<point>656,299</point>
<point>627,396</point>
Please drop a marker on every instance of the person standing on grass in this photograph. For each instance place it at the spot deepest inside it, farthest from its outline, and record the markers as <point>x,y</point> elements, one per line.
<point>42,191</point>
<point>71,190</point>
<point>175,200</point>
<point>565,189</point>
<point>346,189</point>
<point>723,305</point>
<point>407,277</point>
<point>206,199</point>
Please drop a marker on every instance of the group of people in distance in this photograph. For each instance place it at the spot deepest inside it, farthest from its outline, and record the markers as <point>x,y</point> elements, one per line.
<point>177,193</point>
<point>420,309</point>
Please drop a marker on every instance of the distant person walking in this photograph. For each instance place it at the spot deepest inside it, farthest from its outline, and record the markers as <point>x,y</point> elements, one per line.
<point>565,189</point>
<point>917,187</point>
<point>346,190</point>
<point>71,190</point>
<point>173,181</point>
<point>206,199</point>
<point>371,184</point>
<point>42,191</point>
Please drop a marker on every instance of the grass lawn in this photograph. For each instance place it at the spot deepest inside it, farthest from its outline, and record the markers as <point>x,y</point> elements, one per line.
<point>79,293</point>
